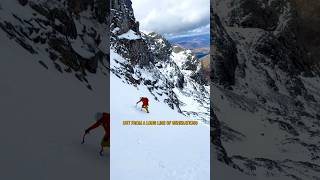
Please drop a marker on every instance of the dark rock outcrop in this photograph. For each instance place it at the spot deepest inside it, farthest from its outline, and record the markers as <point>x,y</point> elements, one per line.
<point>224,58</point>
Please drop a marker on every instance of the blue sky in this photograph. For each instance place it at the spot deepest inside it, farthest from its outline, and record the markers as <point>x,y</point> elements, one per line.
<point>173,17</point>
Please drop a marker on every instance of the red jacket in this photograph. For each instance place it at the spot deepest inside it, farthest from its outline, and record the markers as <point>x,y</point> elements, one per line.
<point>144,100</point>
<point>104,121</point>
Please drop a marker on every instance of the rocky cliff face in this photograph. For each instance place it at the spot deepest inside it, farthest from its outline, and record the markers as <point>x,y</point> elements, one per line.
<point>159,46</point>
<point>308,19</point>
<point>205,69</point>
<point>265,101</point>
<point>224,53</point>
<point>72,33</point>
<point>150,60</point>
<point>122,22</point>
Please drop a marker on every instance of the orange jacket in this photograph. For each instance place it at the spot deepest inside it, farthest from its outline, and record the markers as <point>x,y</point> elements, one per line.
<point>144,100</point>
<point>104,121</point>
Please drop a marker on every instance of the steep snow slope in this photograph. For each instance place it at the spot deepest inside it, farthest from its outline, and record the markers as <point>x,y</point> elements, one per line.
<point>154,152</point>
<point>43,116</point>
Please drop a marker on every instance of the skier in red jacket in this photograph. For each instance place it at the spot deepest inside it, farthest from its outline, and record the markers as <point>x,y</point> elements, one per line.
<point>145,103</point>
<point>103,121</point>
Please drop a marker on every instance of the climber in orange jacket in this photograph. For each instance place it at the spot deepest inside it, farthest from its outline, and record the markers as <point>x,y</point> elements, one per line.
<point>145,103</point>
<point>103,121</point>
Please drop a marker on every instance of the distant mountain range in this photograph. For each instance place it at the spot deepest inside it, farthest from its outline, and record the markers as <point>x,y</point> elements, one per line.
<point>199,44</point>
<point>191,42</point>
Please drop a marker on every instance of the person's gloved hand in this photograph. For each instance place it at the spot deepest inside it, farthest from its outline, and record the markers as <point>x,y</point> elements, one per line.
<point>87,131</point>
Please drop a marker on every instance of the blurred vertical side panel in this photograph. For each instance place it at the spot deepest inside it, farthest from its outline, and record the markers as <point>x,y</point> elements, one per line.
<point>54,74</point>
<point>265,85</point>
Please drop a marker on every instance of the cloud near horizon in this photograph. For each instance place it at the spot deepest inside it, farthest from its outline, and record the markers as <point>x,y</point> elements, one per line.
<point>173,17</point>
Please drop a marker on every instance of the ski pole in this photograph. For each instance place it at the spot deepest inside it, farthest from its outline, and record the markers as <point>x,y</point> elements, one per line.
<point>84,135</point>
